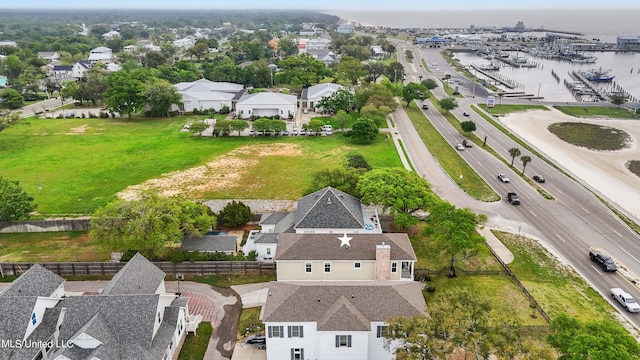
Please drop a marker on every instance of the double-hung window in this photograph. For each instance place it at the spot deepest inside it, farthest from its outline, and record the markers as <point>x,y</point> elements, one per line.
<point>295,331</point>
<point>343,341</point>
<point>275,331</point>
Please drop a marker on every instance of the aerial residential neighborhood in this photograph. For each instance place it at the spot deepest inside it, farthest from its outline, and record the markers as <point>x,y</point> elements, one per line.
<point>273,185</point>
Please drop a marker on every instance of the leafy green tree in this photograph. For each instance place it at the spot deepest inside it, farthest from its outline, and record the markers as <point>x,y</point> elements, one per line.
<point>514,152</point>
<point>396,190</point>
<point>408,54</point>
<point>601,339</point>
<point>153,59</point>
<point>70,89</point>
<point>413,91</point>
<point>261,125</point>
<point>150,224</point>
<point>301,70</point>
<point>455,230</point>
<point>11,99</point>
<point>363,130</point>
<point>448,104</point>
<point>125,93</point>
<point>342,99</point>
<point>341,119</point>
<point>315,125</point>
<point>287,47</point>
<point>525,160</point>
<point>357,161</point>
<point>395,72</point>
<point>95,85</point>
<point>199,49</point>
<point>374,71</point>
<point>15,203</point>
<point>468,126</point>
<point>343,179</point>
<point>277,126</point>
<point>350,69</point>
<point>618,99</point>
<point>161,95</point>
<point>375,94</point>
<point>429,83</point>
<point>238,125</point>
<point>234,214</point>
<point>376,113</point>
<point>198,127</point>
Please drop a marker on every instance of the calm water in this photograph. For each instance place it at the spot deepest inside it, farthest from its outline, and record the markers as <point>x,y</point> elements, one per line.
<point>604,25</point>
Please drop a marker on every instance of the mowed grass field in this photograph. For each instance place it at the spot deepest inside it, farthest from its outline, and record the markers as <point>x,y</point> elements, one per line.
<point>81,164</point>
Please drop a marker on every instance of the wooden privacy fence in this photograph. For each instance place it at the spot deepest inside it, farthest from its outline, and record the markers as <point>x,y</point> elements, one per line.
<point>111,268</point>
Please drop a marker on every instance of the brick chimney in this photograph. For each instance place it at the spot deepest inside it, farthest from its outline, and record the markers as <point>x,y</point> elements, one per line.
<point>383,262</point>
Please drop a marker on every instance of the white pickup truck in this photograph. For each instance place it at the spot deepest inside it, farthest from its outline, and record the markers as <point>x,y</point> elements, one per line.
<point>627,301</point>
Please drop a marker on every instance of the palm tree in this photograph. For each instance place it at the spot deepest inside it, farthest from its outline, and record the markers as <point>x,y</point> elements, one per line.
<point>525,160</point>
<point>514,152</point>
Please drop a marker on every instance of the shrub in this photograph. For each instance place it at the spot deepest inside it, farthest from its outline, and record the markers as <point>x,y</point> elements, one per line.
<point>234,214</point>
<point>224,110</point>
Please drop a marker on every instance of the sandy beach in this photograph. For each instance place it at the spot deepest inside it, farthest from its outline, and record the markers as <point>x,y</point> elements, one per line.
<point>603,171</point>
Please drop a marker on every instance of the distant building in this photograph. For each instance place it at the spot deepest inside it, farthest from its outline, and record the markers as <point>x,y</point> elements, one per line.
<point>345,29</point>
<point>50,56</point>
<point>628,43</point>
<point>111,34</point>
<point>267,104</point>
<point>204,94</point>
<point>8,43</point>
<point>101,54</point>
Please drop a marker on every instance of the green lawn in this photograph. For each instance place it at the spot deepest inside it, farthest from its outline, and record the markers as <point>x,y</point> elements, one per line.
<point>195,346</point>
<point>82,163</point>
<point>598,111</point>
<point>51,247</point>
<point>506,109</point>
<point>591,136</point>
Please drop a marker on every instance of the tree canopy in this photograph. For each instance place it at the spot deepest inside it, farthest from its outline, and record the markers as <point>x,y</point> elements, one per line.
<point>363,130</point>
<point>235,213</point>
<point>150,223</point>
<point>396,190</point>
<point>15,203</point>
<point>342,99</point>
<point>125,93</point>
<point>413,91</point>
<point>468,126</point>
<point>448,104</point>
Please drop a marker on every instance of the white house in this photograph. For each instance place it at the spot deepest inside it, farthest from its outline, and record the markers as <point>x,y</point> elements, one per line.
<point>185,42</point>
<point>101,54</point>
<point>111,34</point>
<point>133,317</point>
<point>79,68</point>
<point>310,96</point>
<point>50,56</point>
<point>204,94</point>
<point>267,104</point>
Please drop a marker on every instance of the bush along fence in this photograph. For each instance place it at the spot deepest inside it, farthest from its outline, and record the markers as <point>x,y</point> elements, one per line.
<point>111,268</point>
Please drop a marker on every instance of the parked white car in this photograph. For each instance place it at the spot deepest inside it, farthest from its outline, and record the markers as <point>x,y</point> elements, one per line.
<point>627,301</point>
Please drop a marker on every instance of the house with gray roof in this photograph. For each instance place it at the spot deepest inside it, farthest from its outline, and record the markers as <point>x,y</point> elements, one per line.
<point>327,56</point>
<point>335,320</point>
<point>311,96</point>
<point>210,244</point>
<point>204,94</point>
<point>332,211</point>
<point>133,318</point>
<point>267,104</point>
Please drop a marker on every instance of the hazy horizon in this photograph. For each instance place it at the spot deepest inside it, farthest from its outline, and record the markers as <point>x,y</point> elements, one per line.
<point>327,5</point>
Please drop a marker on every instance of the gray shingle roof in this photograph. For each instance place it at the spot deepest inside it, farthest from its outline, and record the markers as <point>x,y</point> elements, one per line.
<point>15,317</point>
<point>329,208</point>
<point>283,221</point>
<point>128,279</point>
<point>343,306</point>
<point>269,238</point>
<point>327,247</point>
<point>210,243</point>
<point>37,281</point>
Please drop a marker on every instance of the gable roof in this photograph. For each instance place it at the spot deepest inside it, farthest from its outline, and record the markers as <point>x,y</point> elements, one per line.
<point>282,221</point>
<point>208,95</point>
<point>266,238</point>
<point>204,85</point>
<point>323,90</point>
<point>342,306</point>
<point>327,247</point>
<point>210,243</point>
<point>268,98</point>
<point>37,281</point>
<point>329,208</point>
<point>126,281</point>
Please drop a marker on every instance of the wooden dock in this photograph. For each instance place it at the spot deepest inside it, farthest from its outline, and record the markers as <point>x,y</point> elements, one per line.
<point>506,82</point>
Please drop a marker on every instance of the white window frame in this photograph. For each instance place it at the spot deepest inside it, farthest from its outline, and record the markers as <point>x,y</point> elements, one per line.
<point>295,331</point>
<point>382,331</point>
<point>279,329</point>
<point>268,251</point>
<point>343,341</point>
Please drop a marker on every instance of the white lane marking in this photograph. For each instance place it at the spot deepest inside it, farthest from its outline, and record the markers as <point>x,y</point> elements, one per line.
<point>631,256</point>
<point>532,213</point>
<point>596,269</point>
<point>617,233</point>
<point>560,237</point>
<point>585,210</point>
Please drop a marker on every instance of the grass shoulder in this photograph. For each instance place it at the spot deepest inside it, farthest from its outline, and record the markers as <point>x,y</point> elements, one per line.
<point>508,109</point>
<point>598,112</point>
<point>448,158</point>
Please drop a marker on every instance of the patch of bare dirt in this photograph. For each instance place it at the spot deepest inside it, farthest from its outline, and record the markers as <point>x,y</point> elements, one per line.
<point>224,172</point>
<point>78,130</point>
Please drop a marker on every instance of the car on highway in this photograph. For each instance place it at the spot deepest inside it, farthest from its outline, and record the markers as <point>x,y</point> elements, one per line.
<point>504,178</point>
<point>513,198</point>
<point>259,341</point>
<point>538,178</point>
<point>602,259</point>
<point>627,301</point>
<point>459,147</point>
<point>425,106</point>
<point>467,143</point>
<point>465,113</point>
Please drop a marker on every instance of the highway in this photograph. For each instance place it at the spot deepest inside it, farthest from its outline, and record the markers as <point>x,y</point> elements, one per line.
<point>567,226</point>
